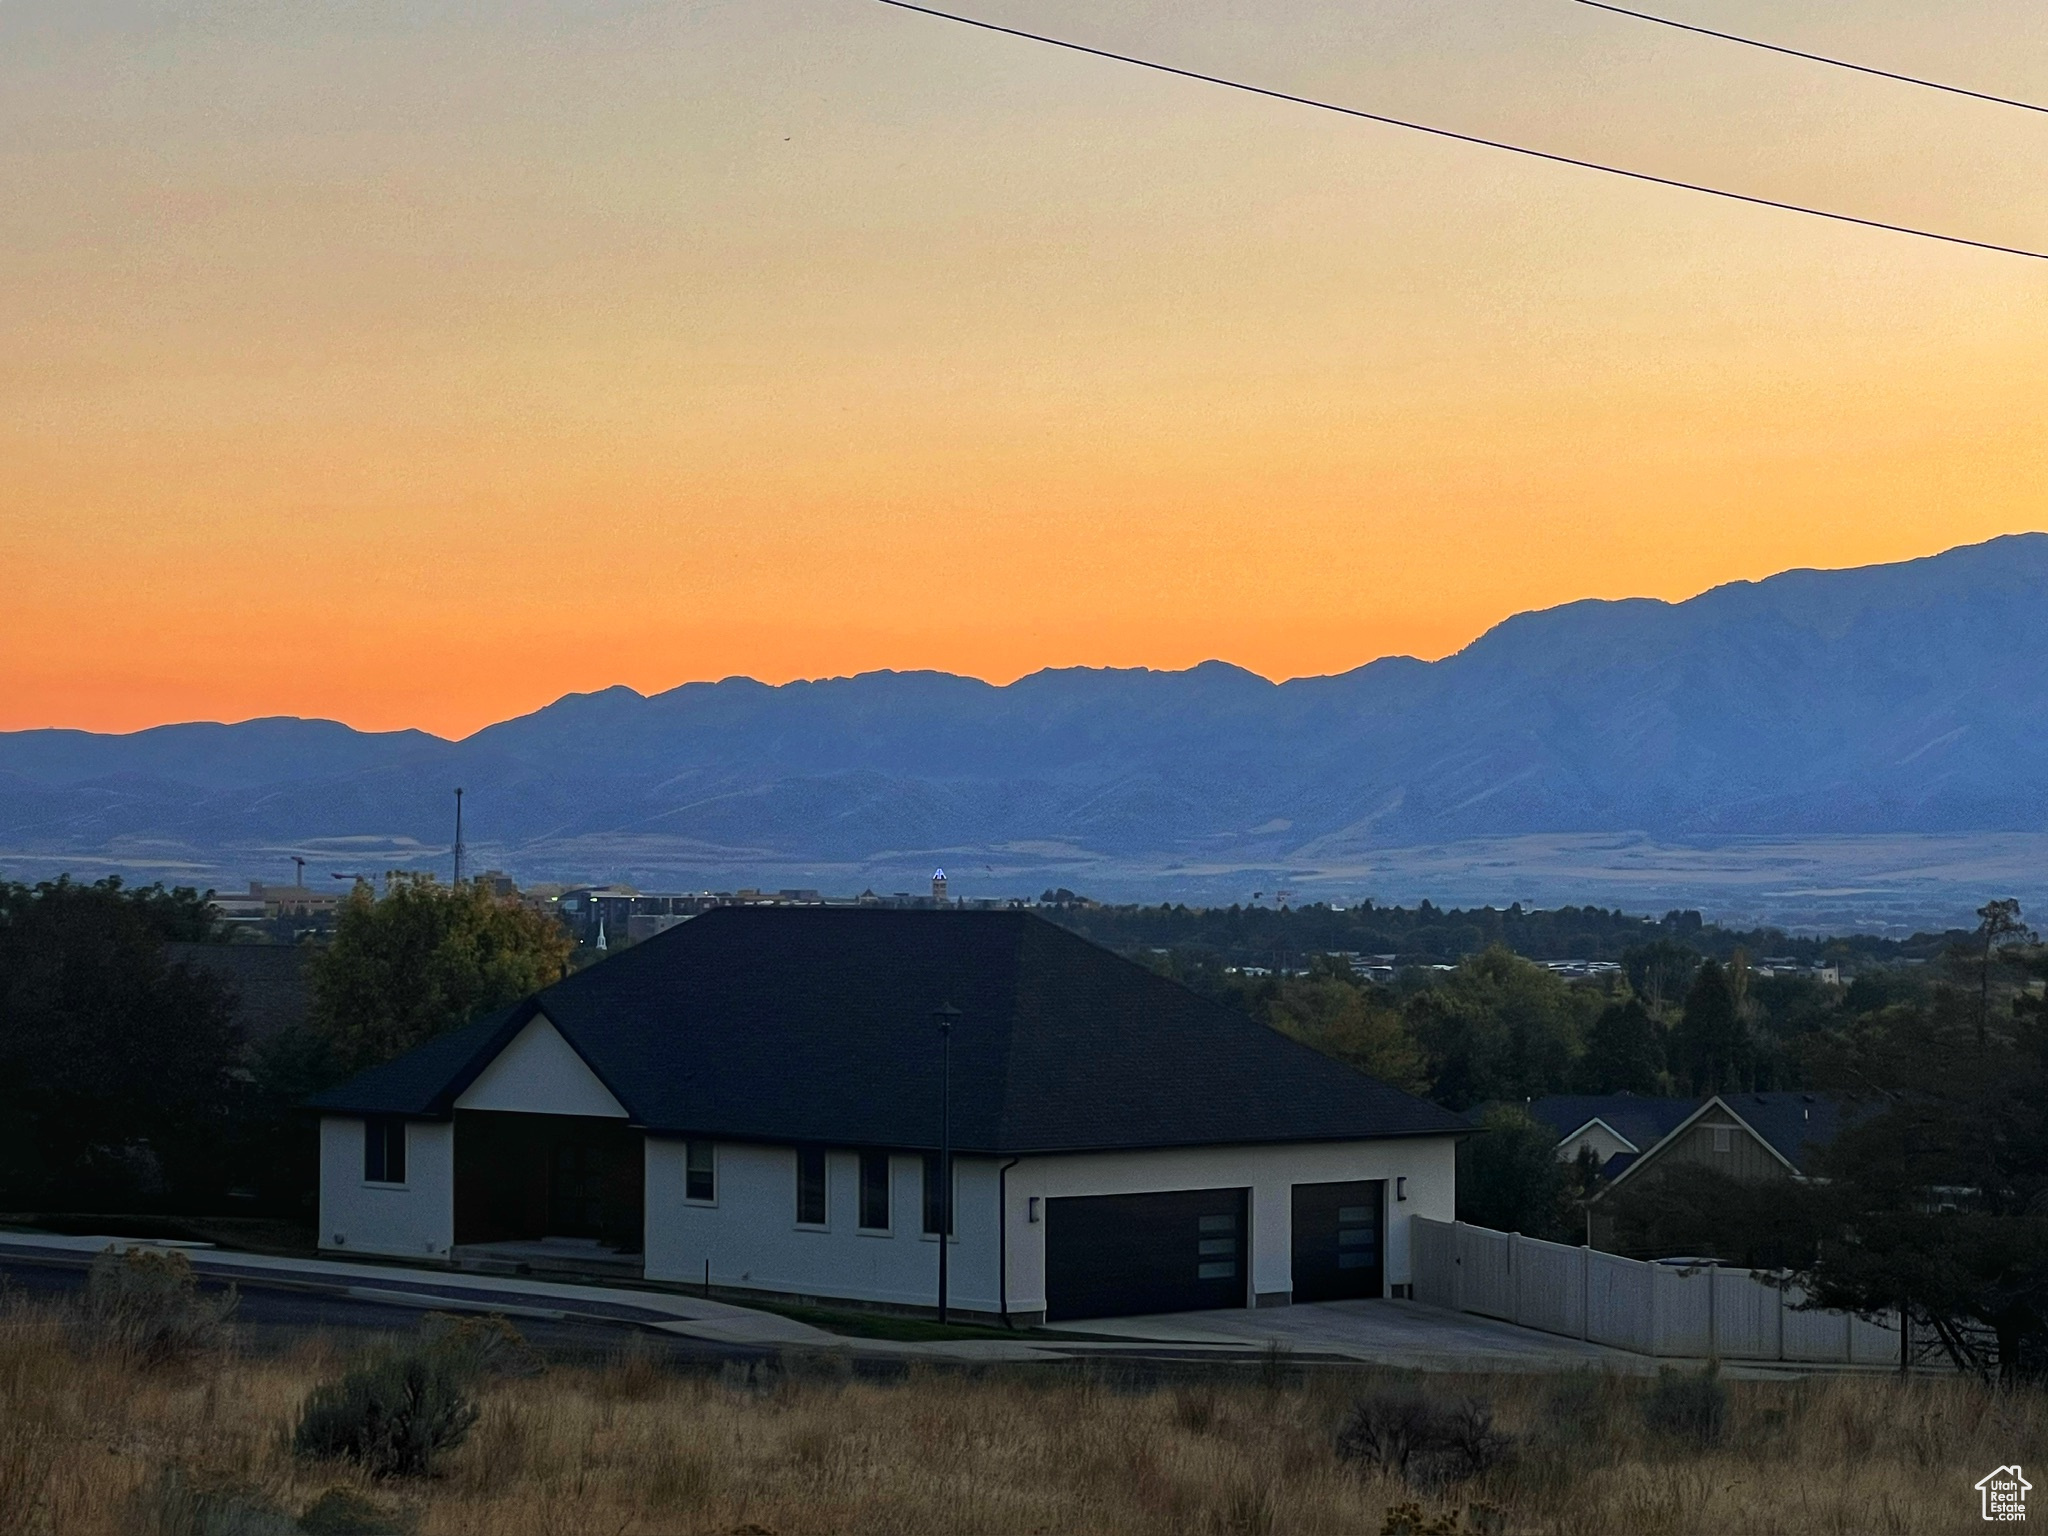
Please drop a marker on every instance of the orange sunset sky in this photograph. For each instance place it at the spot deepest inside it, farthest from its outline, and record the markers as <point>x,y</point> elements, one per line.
<point>416,363</point>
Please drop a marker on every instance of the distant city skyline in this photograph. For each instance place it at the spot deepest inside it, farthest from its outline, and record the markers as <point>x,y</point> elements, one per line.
<point>416,366</point>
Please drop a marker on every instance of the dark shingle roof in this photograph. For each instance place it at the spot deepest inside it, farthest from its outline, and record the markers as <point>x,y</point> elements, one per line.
<point>419,1082</point>
<point>816,1024</point>
<point>1641,1119</point>
<point>1796,1124</point>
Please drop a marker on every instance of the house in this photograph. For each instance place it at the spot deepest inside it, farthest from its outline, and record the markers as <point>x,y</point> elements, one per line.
<point>1616,1128</point>
<point>754,1100</point>
<point>1753,1137</point>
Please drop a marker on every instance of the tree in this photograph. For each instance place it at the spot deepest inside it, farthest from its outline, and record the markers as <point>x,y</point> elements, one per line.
<point>1624,1051</point>
<point>1998,925</point>
<point>1711,1047</point>
<point>425,959</point>
<point>1510,1177</point>
<point>1498,1027</point>
<point>1660,971</point>
<point>116,1066</point>
<point>1938,1200</point>
<point>1932,1199</point>
<point>1343,1020</point>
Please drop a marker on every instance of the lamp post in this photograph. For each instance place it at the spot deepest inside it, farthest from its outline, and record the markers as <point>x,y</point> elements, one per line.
<point>946,1016</point>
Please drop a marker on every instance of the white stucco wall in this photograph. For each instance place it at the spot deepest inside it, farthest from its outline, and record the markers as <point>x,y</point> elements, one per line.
<point>1429,1164</point>
<point>539,1073</point>
<point>412,1220</point>
<point>751,1238</point>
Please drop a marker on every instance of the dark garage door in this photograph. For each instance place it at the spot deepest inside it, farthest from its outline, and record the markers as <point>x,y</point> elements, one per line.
<point>1119,1255</point>
<point>1337,1240</point>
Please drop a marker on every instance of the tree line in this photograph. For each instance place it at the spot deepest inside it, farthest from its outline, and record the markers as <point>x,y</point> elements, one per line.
<point>125,1082</point>
<point>1289,937</point>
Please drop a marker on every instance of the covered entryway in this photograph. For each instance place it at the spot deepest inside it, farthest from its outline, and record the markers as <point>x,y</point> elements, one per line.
<point>1339,1253</point>
<point>1125,1255</point>
<point>523,1178</point>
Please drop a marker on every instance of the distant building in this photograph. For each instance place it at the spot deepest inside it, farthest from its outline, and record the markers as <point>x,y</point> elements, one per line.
<point>623,915</point>
<point>268,901</point>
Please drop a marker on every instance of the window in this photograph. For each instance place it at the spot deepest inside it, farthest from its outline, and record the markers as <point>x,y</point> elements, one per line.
<point>937,1209</point>
<point>874,1191</point>
<point>1721,1134</point>
<point>384,1151</point>
<point>700,1172</point>
<point>810,1186</point>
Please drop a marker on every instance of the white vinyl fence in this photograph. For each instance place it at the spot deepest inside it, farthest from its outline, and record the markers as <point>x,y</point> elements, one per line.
<point>1652,1309</point>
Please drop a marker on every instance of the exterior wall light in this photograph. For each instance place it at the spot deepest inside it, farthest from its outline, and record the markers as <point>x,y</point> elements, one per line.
<point>1401,1188</point>
<point>1031,1209</point>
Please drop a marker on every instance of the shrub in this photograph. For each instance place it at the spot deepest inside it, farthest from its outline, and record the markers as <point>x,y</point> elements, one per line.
<point>394,1416</point>
<point>1427,1445</point>
<point>148,1301</point>
<point>1690,1409</point>
<point>472,1348</point>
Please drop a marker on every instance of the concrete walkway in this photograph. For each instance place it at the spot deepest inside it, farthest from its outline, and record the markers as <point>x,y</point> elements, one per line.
<point>1391,1333</point>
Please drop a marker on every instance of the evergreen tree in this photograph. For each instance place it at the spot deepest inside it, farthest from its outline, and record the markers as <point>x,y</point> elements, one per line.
<point>1711,1046</point>
<point>1624,1051</point>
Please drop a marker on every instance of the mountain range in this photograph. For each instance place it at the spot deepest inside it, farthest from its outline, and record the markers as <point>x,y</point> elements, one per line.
<point>1892,699</point>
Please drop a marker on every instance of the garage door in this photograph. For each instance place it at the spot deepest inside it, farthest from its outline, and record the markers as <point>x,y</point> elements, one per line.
<point>1121,1255</point>
<point>1337,1240</point>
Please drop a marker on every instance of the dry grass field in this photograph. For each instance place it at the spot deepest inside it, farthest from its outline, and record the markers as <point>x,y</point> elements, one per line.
<point>94,1441</point>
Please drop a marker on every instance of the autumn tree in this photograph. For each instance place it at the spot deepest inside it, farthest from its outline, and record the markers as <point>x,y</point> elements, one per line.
<point>1352,1024</point>
<point>424,959</point>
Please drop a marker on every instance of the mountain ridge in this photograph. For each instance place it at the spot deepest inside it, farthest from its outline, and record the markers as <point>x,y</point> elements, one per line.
<point>1879,699</point>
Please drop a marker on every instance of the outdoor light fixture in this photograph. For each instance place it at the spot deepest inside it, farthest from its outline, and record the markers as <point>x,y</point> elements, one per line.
<point>1031,1209</point>
<point>1401,1188</point>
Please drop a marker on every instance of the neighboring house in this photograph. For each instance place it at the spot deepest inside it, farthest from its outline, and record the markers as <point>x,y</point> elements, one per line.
<point>1616,1127</point>
<point>1753,1137</point>
<point>753,1100</point>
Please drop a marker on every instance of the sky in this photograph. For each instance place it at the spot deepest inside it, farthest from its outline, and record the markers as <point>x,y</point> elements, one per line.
<point>414,363</point>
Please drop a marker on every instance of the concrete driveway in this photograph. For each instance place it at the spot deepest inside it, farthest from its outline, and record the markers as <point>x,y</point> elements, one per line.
<point>1395,1333</point>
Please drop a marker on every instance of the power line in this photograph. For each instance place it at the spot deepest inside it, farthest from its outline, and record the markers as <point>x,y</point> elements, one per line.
<point>1465,138</point>
<point>1814,58</point>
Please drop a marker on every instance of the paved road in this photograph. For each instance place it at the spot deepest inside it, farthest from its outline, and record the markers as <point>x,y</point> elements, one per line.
<point>271,1314</point>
